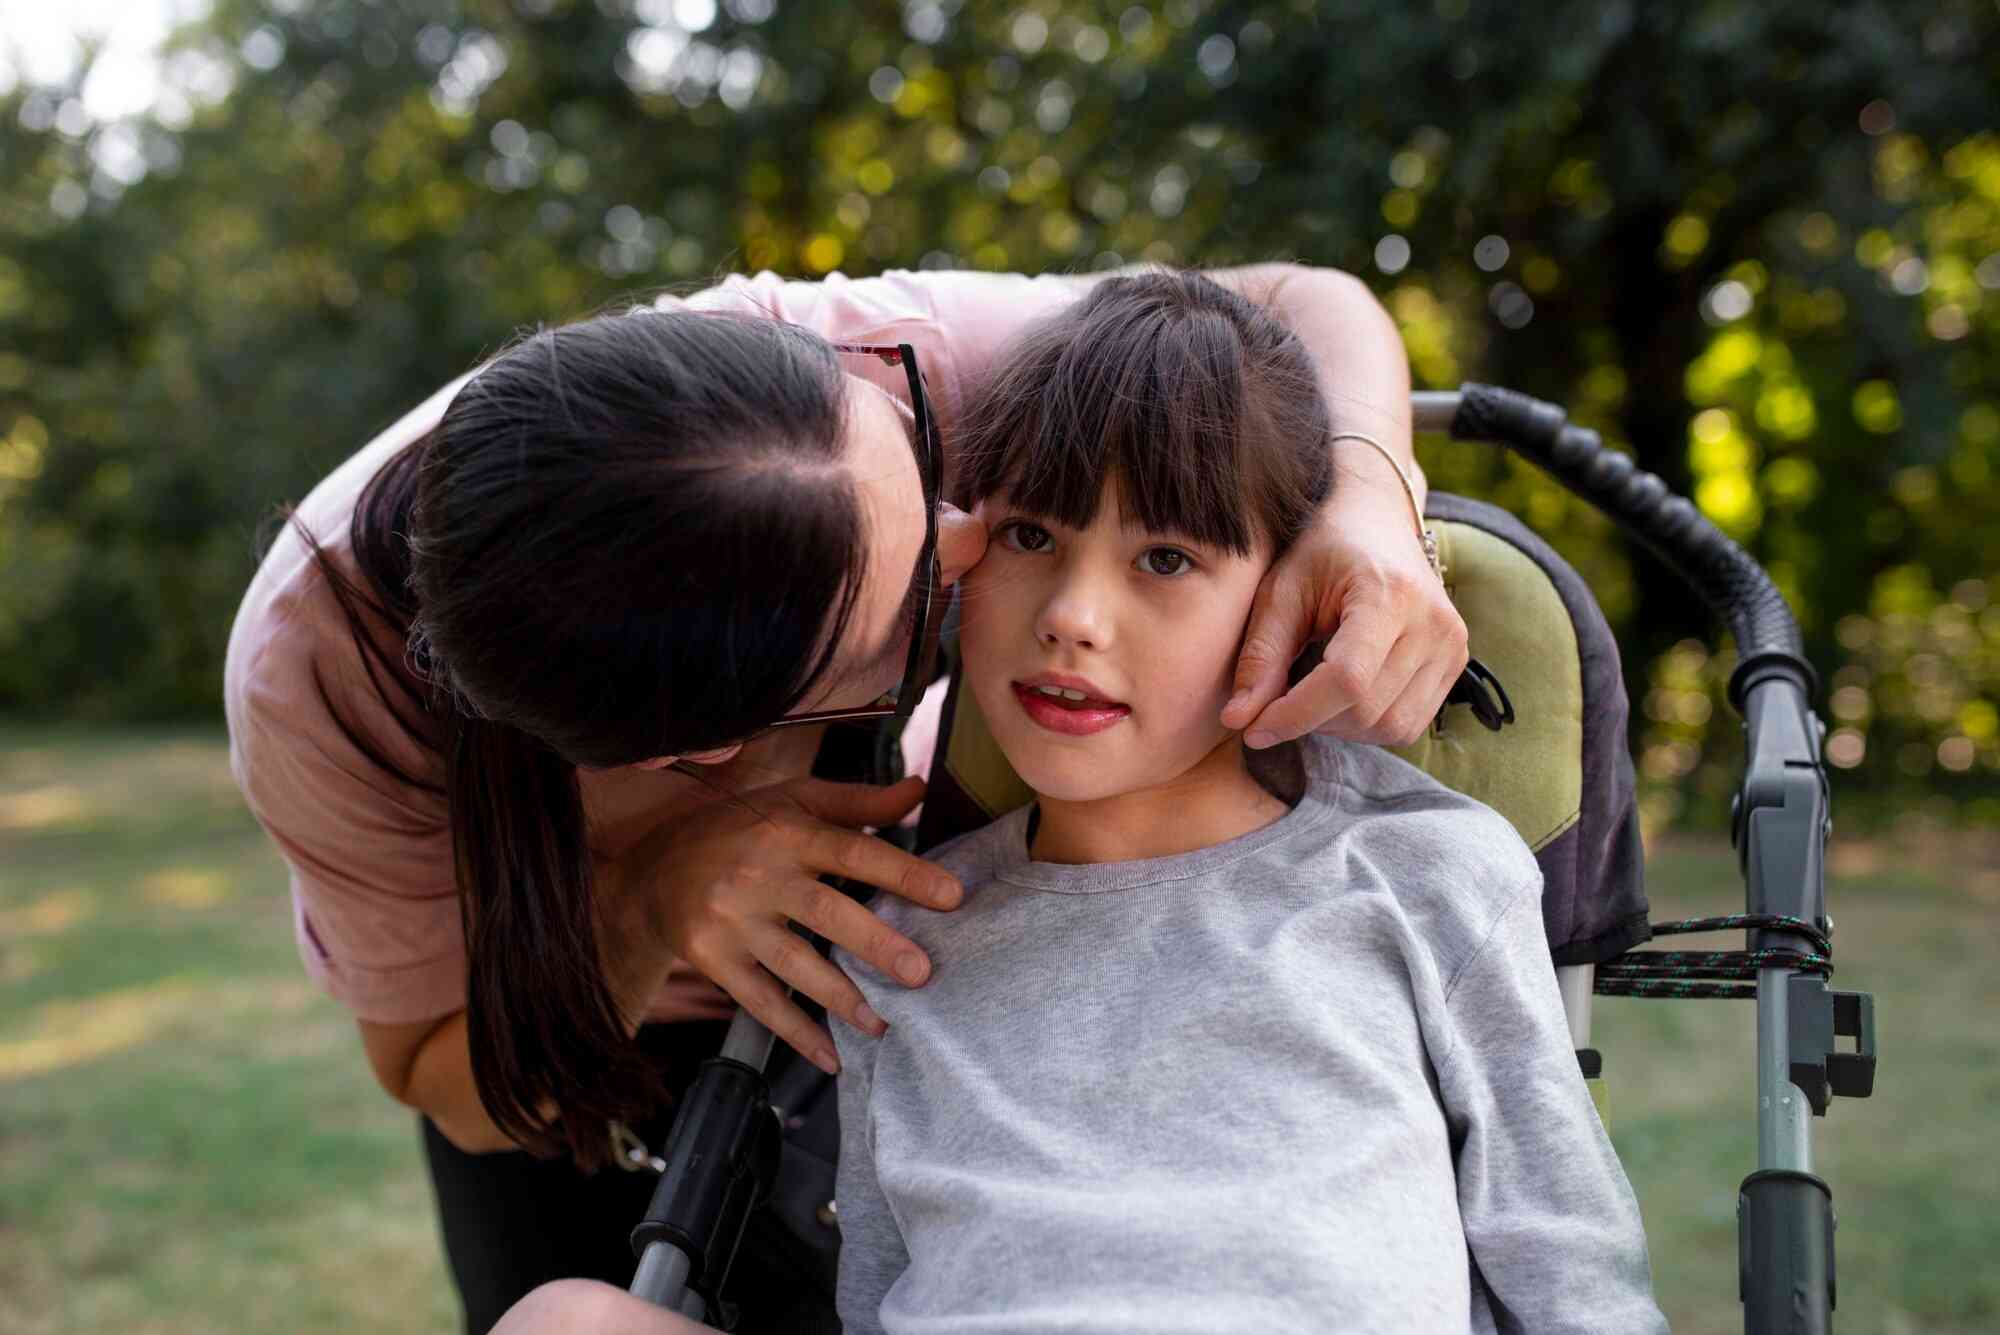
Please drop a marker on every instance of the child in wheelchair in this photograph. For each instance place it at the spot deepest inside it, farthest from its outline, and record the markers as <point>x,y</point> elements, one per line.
<point>1220,1040</point>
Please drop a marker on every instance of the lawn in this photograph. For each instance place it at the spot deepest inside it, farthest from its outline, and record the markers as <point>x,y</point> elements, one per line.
<point>190,1140</point>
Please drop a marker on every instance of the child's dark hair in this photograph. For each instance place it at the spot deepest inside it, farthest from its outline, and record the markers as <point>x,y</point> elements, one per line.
<point>1200,402</point>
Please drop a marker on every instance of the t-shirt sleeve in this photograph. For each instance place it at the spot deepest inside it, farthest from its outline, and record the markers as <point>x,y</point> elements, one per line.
<point>375,908</point>
<point>872,1254</point>
<point>1549,1216</point>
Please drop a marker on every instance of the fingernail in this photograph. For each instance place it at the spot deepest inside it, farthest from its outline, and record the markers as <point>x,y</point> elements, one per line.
<point>949,893</point>
<point>826,1061</point>
<point>1260,739</point>
<point>866,1018</point>
<point>911,967</point>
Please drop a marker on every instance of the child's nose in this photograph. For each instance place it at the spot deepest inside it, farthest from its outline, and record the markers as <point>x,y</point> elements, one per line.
<point>1072,617</point>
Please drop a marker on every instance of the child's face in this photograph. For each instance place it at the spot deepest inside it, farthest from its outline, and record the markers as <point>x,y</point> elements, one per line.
<point>1146,625</point>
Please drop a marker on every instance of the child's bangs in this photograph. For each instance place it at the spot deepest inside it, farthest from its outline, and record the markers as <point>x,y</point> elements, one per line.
<point>1160,401</point>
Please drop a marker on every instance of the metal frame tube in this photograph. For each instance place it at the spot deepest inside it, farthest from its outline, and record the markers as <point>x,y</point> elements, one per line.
<point>748,1042</point>
<point>1577,982</point>
<point>662,1277</point>
<point>1432,410</point>
<point>1784,1117</point>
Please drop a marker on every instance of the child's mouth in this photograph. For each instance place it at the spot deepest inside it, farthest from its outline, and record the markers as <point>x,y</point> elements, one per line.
<point>1073,717</point>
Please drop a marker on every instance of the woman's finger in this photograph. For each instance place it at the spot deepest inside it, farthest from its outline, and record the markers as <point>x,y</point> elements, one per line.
<point>1369,719</point>
<point>1421,702</point>
<point>851,926</point>
<point>760,994</point>
<point>871,861</point>
<point>1280,623</point>
<point>792,960</point>
<point>1341,683</point>
<point>856,805</point>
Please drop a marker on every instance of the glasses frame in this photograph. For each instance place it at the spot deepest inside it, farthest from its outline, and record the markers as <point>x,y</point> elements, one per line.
<point>930,467</point>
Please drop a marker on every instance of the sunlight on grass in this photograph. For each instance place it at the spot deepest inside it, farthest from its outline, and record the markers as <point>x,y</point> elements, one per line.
<point>57,911</point>
<point>42,808</point>
<point>186,888</point>
<point>67,1033</point>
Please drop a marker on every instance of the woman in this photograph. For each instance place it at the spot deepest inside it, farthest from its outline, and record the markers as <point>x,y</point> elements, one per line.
<point>496,695</point>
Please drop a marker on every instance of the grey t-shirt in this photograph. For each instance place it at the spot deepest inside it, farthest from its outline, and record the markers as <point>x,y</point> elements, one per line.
<point>1316,1078</point>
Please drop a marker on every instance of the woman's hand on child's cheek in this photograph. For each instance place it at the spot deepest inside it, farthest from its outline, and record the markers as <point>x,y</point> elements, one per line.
<point>721,887</point>
<point>1398,644</point>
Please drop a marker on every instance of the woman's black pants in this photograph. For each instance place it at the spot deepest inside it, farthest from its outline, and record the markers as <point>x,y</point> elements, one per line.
<point>512,1222</point>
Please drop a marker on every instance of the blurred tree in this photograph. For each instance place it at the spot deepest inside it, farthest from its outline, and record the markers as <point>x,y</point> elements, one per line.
<point>1756,244</point>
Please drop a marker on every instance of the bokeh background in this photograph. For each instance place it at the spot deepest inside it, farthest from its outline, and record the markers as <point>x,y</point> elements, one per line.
<point>1754,242</point>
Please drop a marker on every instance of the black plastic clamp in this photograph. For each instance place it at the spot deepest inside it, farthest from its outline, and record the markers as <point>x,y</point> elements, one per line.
<point>1816,1015</point>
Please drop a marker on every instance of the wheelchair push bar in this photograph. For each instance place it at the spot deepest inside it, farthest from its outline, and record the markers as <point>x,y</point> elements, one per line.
<point>1780,821</point>
<point>721,1161</point>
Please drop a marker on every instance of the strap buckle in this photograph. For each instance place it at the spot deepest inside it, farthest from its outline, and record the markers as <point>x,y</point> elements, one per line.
<point>630,1153</point>
<point>1479,688</point>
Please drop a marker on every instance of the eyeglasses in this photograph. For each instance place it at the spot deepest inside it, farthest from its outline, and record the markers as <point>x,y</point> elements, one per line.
<point>930,466</point>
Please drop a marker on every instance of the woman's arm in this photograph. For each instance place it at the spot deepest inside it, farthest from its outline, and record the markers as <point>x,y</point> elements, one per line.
<point>1361,574</point>
<point>428,1066</point>
<point>1364,374</point>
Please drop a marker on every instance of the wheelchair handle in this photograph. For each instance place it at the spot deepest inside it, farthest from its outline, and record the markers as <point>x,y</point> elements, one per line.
<point>1779,825</point>
<point>1725,576</point>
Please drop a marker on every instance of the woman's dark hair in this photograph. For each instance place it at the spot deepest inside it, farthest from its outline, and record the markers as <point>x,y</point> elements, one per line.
<point>1201,403</point>
<point>628,537</point>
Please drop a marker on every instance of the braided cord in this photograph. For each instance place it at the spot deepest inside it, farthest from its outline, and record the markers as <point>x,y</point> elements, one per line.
<point>1699,974</point>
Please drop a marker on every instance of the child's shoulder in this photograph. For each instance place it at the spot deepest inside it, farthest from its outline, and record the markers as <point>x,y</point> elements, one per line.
<point>977,854</point>
<point>1436,849</point>
<point>974,858</point>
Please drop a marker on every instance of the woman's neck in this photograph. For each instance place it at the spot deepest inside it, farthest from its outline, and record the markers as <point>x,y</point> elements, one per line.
<point>1212,803</point>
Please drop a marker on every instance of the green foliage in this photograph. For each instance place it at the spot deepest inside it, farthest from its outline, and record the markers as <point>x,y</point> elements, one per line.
<point>1757,244</point>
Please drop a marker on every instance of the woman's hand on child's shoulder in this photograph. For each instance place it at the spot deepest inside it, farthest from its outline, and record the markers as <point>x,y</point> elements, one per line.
<point>1360,574</point>
<point>722,885</point>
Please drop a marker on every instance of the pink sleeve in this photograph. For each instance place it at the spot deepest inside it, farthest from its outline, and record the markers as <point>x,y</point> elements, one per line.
<point>374,905</point>
<point>958,320</point>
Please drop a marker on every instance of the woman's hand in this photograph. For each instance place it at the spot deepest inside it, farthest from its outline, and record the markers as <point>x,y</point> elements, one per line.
<point>720,886</point>
<point>1360,574</point>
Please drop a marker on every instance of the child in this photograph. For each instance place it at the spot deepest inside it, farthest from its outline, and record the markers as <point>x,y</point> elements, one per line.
<point>1219,1040</point>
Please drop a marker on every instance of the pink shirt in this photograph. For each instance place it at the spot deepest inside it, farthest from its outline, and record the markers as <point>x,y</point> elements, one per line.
<point>374,905</point>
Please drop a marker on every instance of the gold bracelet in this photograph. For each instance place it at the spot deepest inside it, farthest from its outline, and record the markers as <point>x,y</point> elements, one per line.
<point>1426,536</point>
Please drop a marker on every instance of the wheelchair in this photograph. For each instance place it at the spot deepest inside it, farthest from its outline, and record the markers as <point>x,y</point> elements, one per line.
<point>751,1151</point>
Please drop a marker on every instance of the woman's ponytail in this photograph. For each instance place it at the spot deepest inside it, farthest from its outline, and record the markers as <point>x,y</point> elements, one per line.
<point>544,1029</point>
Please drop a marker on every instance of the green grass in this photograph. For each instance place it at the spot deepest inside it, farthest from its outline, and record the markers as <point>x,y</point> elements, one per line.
<point>189,1136</point>
<point>190,1140</point>
<point>1916,1182</point>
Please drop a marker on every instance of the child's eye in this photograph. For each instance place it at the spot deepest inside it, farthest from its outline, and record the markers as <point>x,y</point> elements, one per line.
<point>1022,536</point>
<point>1166,561</point>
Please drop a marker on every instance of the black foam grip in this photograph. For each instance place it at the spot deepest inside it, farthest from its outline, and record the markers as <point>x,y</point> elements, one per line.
<point>1725,576</point>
